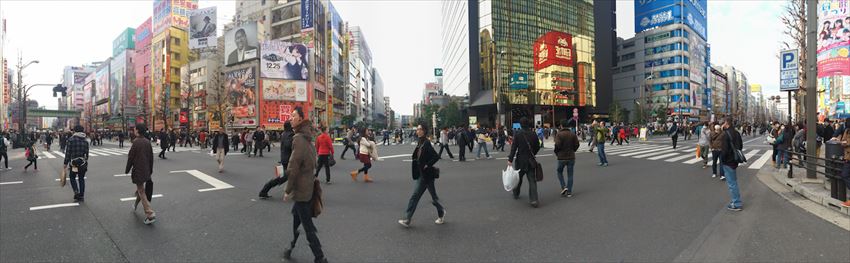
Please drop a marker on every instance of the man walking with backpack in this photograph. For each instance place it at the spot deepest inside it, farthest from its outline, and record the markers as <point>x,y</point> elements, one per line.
<point>77,155</point>
<point>731,148</point>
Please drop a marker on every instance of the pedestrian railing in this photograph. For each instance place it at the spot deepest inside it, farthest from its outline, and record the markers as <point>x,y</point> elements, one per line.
<point>831,170</point>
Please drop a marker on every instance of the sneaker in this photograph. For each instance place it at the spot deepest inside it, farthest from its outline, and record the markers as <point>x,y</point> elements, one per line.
<point>600,164</point>
<point>722,178</point>
<point>404,222</point>
<point>287,254</point>
<point>535,204</point>
<point>734,208</point>
<point>441,220</point>
<point>704,166</point>
<point>846,204</point>
<point>150,220</point>
<point>264,196</point>
<point>489,157</point>
<point>564,191</point>
<point>713,175</point>
<point>605,165</point>
<point>569,194</point>
<point>327,182</point>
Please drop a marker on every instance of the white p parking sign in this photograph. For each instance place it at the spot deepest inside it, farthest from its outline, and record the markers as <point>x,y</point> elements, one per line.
<point>788,71</point>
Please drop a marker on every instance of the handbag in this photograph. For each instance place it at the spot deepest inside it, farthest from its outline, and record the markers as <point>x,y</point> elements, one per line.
<point>738,155</point>
<point>535,165</point>
<point>63,177</point>
<point>331,160</point>
<point>316,202</point>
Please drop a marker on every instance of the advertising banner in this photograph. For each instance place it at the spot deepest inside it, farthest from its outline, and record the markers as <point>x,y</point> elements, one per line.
<point>241,86</point>
<point>168,13</point>
<point>240,43</point>
<point>124,41</point>
<point>102,84</point>
<point>553,48</point>
<point>117,81</point>
<point>184,116</point>
<point>89,88</point>
<point>833,24</point>
<point>284,90</point>
<point>661,17</point>
<point>518,81</point>
<point>306,14</point>
<point>202,25</point>
<point>695,14</point>
<point>283,60</point>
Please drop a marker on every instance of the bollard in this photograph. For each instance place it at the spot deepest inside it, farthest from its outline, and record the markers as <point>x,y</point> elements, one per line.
<point>833,179</point>
<point>790,167</point>
<point>840,187</point>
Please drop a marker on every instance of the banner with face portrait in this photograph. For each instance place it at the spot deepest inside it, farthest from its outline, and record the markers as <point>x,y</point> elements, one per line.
<point>240,43</point>
<point>283,60</point>
<point>202,25</point>
<point>284,90</point>
<point>241,87</point>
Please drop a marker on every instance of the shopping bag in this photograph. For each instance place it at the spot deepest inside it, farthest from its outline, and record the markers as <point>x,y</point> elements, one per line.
<point>278,170</point>
<point>698,151</point>
<point>63,177</point>
<point>510,178</point>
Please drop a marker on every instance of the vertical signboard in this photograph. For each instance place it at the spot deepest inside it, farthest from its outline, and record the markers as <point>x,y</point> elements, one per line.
<point>202,25</point>
<point>788,70</point>
<point>553,48</point>
<point>102,83</point>
<point>241,87</point>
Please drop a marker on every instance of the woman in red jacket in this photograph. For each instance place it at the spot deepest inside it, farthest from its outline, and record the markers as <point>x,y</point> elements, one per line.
<point>325,149</point>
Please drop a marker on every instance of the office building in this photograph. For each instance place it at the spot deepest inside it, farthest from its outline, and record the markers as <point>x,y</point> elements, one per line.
<point>721,99</point>
<point>169,52</point>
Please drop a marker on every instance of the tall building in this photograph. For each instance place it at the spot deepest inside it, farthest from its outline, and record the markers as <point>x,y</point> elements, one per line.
<point>73,77</point>
<point>169,52</point>
<point>605,53</point>
<point>738,90</point>
<point>5,88</point>
<point>143,71</point>
<point>526,58</point>
<point>380,113</point>
<point>721,99</point>
<point>665,66</point>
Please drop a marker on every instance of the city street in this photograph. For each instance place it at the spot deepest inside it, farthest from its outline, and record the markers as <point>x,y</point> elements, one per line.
<point>651,204</point>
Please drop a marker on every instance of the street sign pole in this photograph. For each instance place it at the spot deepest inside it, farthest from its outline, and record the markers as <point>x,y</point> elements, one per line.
<point>811,84</point>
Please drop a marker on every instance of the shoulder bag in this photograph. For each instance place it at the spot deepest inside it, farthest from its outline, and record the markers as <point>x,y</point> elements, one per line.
<point>737,155</point>
<point>538,169</point>
<point>316,202</point>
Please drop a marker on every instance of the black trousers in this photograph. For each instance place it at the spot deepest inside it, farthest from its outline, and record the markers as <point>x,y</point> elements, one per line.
<point>353,151</point>
<point>120,143</point>
<point>5,158</point>
<point>33,162</point>
<point>675,140</point>
<point>461,155</point>
<point>302,214</point>
<point>324,161</point>
<point>268,146</point>
<point>274,182</point>
<point>445,146</point>
<point>162,153</point>
<point>258,146</point>
<point>532,184</point>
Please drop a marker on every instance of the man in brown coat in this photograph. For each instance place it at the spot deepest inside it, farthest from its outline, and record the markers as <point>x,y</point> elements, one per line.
<point>566,144</point>
<point>140,161</point>
<point>299,187</point>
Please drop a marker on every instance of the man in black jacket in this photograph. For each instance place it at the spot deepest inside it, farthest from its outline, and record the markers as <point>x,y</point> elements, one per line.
<point>259,137</point>
<point>462,143</point>
<point>285,153</point>
<point>163,143</point>
<point>220,147</point>
<point>731,142</point>
<point>523,148</point>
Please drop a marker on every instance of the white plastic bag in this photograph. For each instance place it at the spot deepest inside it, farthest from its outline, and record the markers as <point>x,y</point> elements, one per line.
<point>510,178</point>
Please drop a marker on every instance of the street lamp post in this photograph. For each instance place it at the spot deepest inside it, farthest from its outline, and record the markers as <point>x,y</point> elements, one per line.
<point>22,95</point>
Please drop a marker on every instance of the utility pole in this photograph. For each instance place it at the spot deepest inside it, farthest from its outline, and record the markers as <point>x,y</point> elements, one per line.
<point>811,85</point>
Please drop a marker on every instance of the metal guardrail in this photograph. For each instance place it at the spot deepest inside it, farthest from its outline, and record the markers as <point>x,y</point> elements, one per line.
<point>832,171</point>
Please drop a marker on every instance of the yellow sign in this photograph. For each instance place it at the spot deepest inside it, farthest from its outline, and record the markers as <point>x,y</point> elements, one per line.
<point>755,88</point>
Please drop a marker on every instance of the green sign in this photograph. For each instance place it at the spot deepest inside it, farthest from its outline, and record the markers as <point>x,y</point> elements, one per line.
<point>124,41</point>
<point>438,72</point>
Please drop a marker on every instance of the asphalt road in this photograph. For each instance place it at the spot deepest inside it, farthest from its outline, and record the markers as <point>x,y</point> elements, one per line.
<point>637,209</point>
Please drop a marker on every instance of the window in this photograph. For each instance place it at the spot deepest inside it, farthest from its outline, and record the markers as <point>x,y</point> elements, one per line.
<point>629,44</point>
<point>175,40</point>
<point>627,56</point>
<point>175,71</point>
<point>147,67</point>
<point>627,68</point>
<point>175,56</point>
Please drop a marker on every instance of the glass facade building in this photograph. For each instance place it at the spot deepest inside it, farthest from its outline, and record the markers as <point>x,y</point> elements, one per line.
<point>508,33</point>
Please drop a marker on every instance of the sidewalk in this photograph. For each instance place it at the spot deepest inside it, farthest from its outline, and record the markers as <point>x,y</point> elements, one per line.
<point>815,191</point>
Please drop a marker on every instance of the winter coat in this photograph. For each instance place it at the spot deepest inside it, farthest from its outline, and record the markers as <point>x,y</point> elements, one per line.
<point>566,144</point>
<point>140,160</point>
<point>302,164</point>
<point>163,140</point>
<point>731,139</point>
<point>324,146</point>
<point>286,147</point>
<point>715,142</point>
<point>423,165</point>
<point>520,149</point>
<point>705,137</point>
<point>223,137</point>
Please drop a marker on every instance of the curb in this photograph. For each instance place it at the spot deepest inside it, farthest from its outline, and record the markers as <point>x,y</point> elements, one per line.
<point>811,197</point>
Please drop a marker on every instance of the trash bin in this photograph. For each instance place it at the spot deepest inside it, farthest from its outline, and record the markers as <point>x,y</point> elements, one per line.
<point>835,161</point>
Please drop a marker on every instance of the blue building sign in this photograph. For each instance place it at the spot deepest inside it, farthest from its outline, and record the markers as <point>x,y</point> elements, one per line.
<point>654,13</point>
<point>518,81</point>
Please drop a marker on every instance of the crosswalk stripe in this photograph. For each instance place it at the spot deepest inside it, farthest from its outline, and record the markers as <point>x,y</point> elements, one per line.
<point>653,153</point>
<point>48,155</point>
<point>760,162</point>
<point>698,159</point>
<point>751,154</point>
<point>104,153</point>
<point>59,153</point>
<point>118,151</point>
<point>678,158</point>
<point>634,150</point>
<point>624,149</point>
<point>650,151</point>
<point>662,156</point>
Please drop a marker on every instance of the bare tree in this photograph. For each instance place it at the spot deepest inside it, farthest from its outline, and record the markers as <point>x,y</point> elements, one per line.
<point>217,98</point>
<point>794,20</point>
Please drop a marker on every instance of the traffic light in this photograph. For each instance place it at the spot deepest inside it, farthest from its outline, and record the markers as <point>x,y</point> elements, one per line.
<point>60,88</point>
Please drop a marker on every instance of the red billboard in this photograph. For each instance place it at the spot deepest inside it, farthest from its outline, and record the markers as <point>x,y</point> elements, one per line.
<point>273,113</point>
<point>553,48</point>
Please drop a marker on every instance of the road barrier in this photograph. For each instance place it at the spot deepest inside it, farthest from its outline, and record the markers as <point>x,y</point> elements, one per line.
<point>832,165</point>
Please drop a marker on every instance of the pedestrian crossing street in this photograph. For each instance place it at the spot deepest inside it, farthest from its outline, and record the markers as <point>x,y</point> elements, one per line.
<point>685,154</point>
<point>95,152</point>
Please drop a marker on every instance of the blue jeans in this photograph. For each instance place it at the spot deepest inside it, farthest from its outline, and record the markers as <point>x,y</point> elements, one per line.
<point>570,164</point>
<point>78,181</point>
<point>782,158</point>
<point>601,152</point>
<point>732,183</point>
<point>423,184</point>
<point>482,145</point>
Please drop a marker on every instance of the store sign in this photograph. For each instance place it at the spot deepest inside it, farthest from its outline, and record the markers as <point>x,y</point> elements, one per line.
<point>553,48</point>
<point>438,72</point>
<point>788,71</point>
<point>518,81</point>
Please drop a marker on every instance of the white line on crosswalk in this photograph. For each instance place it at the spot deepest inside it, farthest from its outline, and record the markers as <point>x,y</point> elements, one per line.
<point>751,154</point>
<point>102,152</point>
<point>117,151</point>
<point>53,206</point>
<point>760,162</point>
<point>69,178</point>
<point>698,159</point>
<point>678,158</point>
<point>121,175</point>
<point>48,155</point>
<point>653,153</point>
<point>60,154</point>
<point>633,151</point>
<point>627,149</point>
<point>662,156</point>
<point>93,154</point>
<point>125,199</point>
<point>15,182</point>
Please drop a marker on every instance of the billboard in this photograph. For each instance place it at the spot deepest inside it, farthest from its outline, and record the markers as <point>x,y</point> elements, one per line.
<point>202,27</point>
<point>241,85</point>
<point>168,13</point>
<point>118,80</point>
<point>89,88</point>
<point>306,14</point>
<point>141,65</point>
<point>101,93</point>
<point>694,16</point>
<point>124,41</point>
<point>283,60</point>
<point>833,38</point>
<point>284,90</point>
<point>240,43</point>
<point>553,48</point>
<point>518,81</point>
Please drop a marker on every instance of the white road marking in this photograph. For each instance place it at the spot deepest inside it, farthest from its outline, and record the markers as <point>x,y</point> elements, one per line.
<point>760,162</point>
<point>746,142</point>
<point>134,198</point>
<point>48,155</point>
<point>653,153</point>
<point>407,160</point>
<point>59,153</point>
<point>217,184</point>
<point>69,178</point>
<point>15,182</point>
<point>751,154</point>
<point>93,154</point>
<point>53,206</point>
<point>394,156</point>
<point>662,156</point>
<point>698,159</point>
<point>645,152</point>
<point>684,156</point>
<point>121,175</point>
<point>103,152</point>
